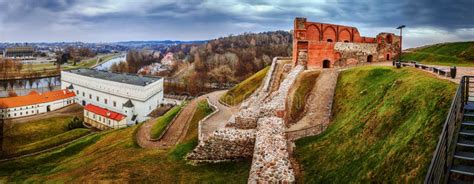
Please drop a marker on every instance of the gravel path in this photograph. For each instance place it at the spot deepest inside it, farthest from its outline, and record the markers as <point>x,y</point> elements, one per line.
<point>175,133</point>
<point>219,119</point>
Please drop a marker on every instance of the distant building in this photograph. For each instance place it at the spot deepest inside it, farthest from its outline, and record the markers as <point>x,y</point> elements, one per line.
<point>102,118</point>
<point>35,103</point>
<point>20,52</point>
<point>131,95</point>
<point>321,45</point>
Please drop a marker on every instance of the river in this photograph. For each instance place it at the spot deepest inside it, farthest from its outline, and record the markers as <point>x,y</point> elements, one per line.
<point>24,86</point>
<point>106,65</point>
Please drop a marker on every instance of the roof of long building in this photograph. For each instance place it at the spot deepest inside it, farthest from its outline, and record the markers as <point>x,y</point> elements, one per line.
<point>34,98</point>
<point>116,77</point>
<point>104,112</point>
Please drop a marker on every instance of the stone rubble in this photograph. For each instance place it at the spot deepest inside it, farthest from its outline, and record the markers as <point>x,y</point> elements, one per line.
<point>224,144</point>
<point>271,160</point>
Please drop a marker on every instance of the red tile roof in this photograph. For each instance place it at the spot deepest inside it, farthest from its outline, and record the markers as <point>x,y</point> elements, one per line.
<point>34,98</point>
<point>104,112</point>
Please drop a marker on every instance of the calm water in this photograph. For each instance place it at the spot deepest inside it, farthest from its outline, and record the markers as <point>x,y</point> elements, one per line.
<point>107,64</point>
<point>25,86</point>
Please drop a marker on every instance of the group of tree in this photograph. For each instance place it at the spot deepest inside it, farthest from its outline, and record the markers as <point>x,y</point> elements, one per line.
<point>75,54</point>
<point>135,60</point>
<point>10,66</point>
<point>231,59</point>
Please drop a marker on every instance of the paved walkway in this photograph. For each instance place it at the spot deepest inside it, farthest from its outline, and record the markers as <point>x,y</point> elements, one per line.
<point>319,103</point>
<point>175,133</point>
<point>219,119</point>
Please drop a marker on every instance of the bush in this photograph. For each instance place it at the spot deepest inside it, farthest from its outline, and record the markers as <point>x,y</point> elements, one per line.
<point>75,123</point>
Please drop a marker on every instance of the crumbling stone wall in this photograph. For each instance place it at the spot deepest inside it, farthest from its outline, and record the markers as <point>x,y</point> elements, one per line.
<point>355,53</point>
<point>257,131</point>
<point>223,145</point>
<point>271,159</point>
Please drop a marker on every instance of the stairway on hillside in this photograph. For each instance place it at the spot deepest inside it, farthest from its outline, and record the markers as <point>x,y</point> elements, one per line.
<point>462,169</point>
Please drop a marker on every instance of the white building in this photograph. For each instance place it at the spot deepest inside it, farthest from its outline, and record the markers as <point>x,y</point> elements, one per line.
<point>35,103</point>
<point>103,119</point>
<point>132,95</point>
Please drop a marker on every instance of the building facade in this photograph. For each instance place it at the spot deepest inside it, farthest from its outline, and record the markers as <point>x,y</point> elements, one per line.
<point>131,95</point>
<point>35,103</point>
<point>321,45</point>
<point>20,52</point>
<point>102,118</point>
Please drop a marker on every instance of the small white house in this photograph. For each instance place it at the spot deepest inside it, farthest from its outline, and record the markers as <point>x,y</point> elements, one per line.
<point>35,103</point>
<point>102,118</point>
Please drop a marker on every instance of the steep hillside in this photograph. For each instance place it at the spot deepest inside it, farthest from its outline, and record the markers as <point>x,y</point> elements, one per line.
<point>457,53</point>
<point>384,128</point>
<point>113,156</point>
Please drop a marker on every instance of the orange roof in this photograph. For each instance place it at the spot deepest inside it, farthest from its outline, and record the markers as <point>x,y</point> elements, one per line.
<point>104,112</point>
<point>35,98</point>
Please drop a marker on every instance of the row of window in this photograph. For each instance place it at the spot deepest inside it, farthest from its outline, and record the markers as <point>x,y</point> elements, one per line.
<point>97,98</point>
<point>21,108</point>
<point>100,118</point>
<point>21,114</point>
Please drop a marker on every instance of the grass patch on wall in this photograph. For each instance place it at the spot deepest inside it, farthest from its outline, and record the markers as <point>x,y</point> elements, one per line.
<point>300,92</point>
<point>385,128</point>
<point>243,90</point>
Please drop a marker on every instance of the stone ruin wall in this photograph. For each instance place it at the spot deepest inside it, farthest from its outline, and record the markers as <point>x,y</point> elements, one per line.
<point>271,159</point>
<point>354,53</point>
<point>258,132</point>
<point>223,145</point>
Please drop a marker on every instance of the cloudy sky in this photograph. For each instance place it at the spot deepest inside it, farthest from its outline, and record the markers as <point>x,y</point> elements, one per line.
<point>428,21</point>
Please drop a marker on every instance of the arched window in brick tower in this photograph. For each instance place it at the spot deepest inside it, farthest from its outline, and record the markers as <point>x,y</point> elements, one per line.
<point>326,64</point>
<point>388,57</point>
<point>312,33</point>
<point>369,59</point>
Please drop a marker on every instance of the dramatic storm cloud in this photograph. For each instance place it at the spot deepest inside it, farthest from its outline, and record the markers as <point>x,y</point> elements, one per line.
<point>428,21</point>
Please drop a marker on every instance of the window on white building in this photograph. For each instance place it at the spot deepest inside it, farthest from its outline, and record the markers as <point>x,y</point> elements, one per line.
<point>90,96</point>
<point>115,104</point>
<point>97,98</point>
<point>83,94</point>
<point>105,101</point>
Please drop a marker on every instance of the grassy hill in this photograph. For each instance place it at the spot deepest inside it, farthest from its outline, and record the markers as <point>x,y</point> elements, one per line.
<point>384,129</point>
<point>457,53</point>
<point>114,156</point>
<point>244,89</point>
<point>36,135</point>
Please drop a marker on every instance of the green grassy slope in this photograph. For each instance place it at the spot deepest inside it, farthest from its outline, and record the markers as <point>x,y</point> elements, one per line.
<point>113,156</point>
<point>20,138</point>
<point>458,53</point>
<point>298,96</point>
<point>385,128</point>
<point>244,89</point>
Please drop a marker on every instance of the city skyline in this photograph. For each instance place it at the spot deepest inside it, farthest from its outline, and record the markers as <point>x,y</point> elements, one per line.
<point>112,21</point>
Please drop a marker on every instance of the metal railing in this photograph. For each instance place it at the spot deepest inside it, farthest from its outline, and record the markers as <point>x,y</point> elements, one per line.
<point>441,162</point>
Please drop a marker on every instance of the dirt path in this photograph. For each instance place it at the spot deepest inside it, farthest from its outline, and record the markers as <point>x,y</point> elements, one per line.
<point>319,103</point>
<point>219,119</point>
<point>175,133</point>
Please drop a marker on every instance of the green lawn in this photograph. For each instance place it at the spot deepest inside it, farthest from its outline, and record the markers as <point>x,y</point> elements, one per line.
<point>163,121</point>
<point>448,54</point>
<point>113,156</point>
<point>244,89</point>
<point>384,129</point>
<point>27,137</point>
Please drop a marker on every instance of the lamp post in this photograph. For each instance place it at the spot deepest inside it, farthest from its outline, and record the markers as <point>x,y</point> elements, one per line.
<point>400,54</point>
